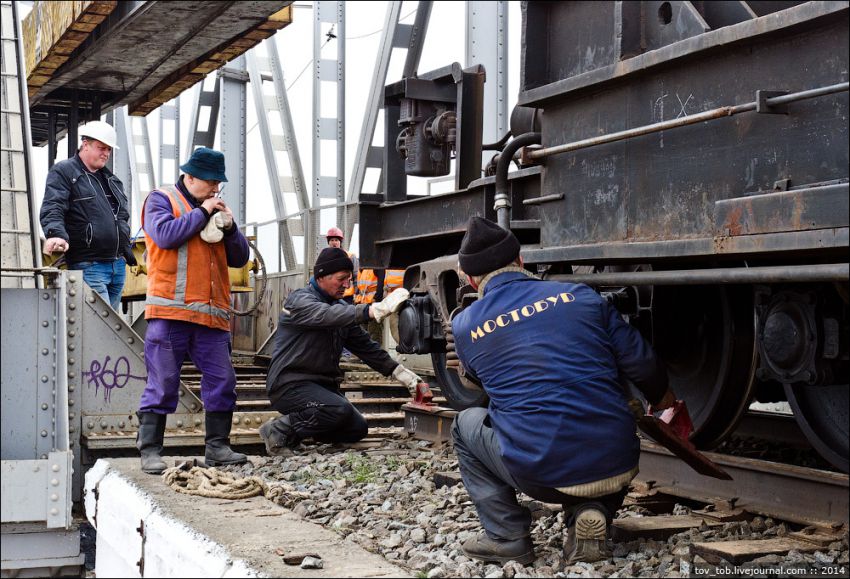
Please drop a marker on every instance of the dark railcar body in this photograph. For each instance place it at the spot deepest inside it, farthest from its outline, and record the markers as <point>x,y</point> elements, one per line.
<point>725,240</point>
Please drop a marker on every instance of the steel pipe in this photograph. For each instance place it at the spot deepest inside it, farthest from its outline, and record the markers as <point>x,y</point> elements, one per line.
<point>733,275</point>
<point>684,121</point>
<point>502,200</point>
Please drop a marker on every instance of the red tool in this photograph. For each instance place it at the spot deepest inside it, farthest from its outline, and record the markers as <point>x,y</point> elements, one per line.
<point>423,397</point>
<point>671,430</point>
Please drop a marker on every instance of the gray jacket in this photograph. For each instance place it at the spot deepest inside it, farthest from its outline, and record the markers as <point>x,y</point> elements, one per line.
<point>310,336</point>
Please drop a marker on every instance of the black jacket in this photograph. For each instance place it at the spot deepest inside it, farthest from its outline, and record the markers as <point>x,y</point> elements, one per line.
<point>76,208</point>
<point>311,333</point>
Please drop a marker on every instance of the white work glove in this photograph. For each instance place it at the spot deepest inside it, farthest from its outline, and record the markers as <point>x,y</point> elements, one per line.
<point>213,232</point>
<point>407,378</point>
<point>389,305</point>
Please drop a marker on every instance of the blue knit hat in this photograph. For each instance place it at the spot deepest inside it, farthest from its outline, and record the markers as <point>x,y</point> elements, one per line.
<point>206,164</point>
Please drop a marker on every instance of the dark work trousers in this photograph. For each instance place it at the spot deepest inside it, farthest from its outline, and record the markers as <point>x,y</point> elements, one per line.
<point>321,413</point>
<point>493,489</point>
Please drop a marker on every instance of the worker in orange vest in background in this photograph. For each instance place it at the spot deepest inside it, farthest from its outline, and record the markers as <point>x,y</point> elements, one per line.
<point>335,238</point>
<point>372,286</point>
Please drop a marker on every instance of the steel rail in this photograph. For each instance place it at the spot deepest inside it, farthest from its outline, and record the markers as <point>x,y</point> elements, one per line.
<point>832,272</point>
<point>791,493</point>
<point>710,115</point>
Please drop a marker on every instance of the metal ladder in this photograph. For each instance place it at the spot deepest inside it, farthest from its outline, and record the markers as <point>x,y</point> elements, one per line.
<point>21,248</point>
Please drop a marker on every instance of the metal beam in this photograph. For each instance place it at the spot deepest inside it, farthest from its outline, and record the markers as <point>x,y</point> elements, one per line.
<point>394,35</point>
<point>487,45</point>
<point>233,113</point>
<point>328,183</point>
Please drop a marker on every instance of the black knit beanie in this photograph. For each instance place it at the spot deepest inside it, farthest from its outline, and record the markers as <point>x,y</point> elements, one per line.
<point>332,260</point>
<point>486,247</point>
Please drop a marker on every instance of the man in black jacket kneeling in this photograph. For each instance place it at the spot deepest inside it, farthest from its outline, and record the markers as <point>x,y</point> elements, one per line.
<point>304,376</point>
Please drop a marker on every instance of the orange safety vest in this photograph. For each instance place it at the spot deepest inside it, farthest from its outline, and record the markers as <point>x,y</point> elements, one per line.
<point>353,287</point>
<point>367,285</point>
<point>190,283</point>
<point>393,279</point>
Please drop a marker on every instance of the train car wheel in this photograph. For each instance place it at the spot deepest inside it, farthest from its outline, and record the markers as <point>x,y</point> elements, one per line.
<point>706,337</point>
<point>457,395</point>
<point>822,413</point>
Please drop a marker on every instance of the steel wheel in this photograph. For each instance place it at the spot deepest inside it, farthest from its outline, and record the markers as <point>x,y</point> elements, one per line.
<point>706,336</point>
<point>822,413</point>
<point>457,395</point>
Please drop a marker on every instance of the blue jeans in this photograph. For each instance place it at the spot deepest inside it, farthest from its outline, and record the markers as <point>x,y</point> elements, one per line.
<point>104,277</point>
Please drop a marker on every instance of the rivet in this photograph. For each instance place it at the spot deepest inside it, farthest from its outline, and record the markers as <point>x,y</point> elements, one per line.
<point>72,374</point>
<point>90,299</point>
<point>72,333</point>
<point>121,424</point>
<point>117,327</point>
<point>197,422</point>
<point>236,420</point>
<point>193,405</point>
<point>54,512</point>
<point>72,306</point>
<point>89,425</point>
<point>72,429</point>
<point>54,482</point>
<point>131,340</point>
<point>72,292</point>
<point>54,497</point>
<point>104,313</point>
<point>70,388</point>
<point>44,351</point>
<point>72,320</point>
<point>71,443</point>
<point>179,424</point>
<point>72,347</point>
<point>103,424</point>
<point>72,415</point>
<point>45,323</point>
<point>182,393</point>
<point>72,278</point>
<point>72,361</point>
<point>44,378</point>
<point>71,402</point>
<point>35,468</point>
<point>258,420</point>
<point>45,296</point>
<point>44,406</point>
<point>43,433</point>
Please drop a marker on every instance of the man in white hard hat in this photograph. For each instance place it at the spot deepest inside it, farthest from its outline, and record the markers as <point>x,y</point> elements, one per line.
<point>85,214</point>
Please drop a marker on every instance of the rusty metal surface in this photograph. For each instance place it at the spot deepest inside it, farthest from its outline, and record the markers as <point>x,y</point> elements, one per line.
<point>811,208</point>
<point>790,493</point>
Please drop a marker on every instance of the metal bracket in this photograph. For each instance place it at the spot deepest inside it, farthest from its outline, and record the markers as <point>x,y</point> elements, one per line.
<point>762,106</point>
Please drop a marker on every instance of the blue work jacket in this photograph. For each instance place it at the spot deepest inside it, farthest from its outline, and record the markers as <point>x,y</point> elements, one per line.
<point>550,356</point>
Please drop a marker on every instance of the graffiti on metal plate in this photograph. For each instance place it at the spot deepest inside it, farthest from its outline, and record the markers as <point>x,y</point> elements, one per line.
<point>100,374</point>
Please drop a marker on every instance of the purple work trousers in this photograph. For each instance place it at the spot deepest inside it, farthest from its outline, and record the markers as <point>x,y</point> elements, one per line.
<point>166,344</point>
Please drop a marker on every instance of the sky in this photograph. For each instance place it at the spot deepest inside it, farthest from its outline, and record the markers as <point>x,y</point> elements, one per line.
<point>444,44</point>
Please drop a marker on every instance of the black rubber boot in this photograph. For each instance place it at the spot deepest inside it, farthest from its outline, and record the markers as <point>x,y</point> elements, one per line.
<point>484,548</point>
<point>149,441</point>
<point>279,436</point>
<point>218,451</point>
<point>587,537</point>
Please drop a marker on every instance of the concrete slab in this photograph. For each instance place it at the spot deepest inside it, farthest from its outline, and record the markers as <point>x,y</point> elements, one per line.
<point>145,529</point>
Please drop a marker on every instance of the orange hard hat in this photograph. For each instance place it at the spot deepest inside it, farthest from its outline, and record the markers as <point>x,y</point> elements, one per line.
<point>335,232</point>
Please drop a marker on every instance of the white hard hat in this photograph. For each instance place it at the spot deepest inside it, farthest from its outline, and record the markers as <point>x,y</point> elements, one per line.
<point>100,131</point>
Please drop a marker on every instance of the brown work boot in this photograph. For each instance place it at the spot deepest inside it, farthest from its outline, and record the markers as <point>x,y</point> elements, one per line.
<point>484,548</point>
<point>587,537</point>
<point>279,436</point>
